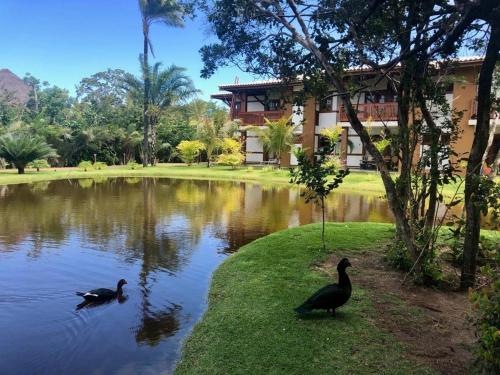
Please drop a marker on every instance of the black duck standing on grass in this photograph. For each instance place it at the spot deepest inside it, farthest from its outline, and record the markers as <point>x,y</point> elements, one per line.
<point>103,294</point>
<point>331,296</point>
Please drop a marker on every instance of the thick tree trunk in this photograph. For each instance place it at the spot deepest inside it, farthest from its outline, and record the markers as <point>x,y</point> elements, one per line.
<point>472,212</point>
<point>20,170</point>
<point>145,142</point>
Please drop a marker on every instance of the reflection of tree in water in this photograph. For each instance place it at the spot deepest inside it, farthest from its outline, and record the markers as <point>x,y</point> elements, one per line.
<point>156,252</point>
<point>156,326</point>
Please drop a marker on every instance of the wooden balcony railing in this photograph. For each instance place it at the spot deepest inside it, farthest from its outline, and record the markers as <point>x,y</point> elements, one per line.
<point>257,118</point>
<point>375,111</point>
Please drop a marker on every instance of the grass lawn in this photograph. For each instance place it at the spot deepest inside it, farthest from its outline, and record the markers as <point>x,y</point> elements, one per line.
<point>250,326</point>
<point>368,182</point>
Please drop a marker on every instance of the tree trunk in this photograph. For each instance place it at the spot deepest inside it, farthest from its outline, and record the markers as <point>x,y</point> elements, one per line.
<point>323,222</point>
<point>20,170</point>
<point>152,153</point>
<point>145,142</point>
<point>472,177</point>
<point>394,198</point>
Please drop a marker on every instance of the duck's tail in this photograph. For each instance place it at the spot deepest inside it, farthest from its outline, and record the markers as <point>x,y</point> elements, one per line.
<point>81,294</point>
<point>302,309</point>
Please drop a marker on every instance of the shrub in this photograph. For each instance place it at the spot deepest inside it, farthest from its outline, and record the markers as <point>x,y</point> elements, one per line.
<point>231,155</point>
<point>189,150</point>
<point>19,150</point>
<point>333,162</point>
<point>100,165</point>
<point>232,160</point>
<point>486,318</point>
<point>38,163</point>
<point>231,146</point>
<point>397,256</point>
<point>85,165</point>
<point>133,165</point>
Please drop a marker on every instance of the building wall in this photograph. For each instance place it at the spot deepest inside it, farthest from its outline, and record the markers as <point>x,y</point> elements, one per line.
<point>461,97</point>
<point>464,93</point>
<point>308,135</point>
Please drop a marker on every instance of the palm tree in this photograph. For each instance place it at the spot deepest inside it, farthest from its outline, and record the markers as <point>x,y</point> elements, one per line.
<point>277,137</point>
<point>23,149</point>
<point>170,13</point>
<point>168,87</point>
<point>210,135</point>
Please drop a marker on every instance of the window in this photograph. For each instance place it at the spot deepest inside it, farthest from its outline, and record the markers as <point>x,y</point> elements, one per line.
<point>274,105</point>
<point>325,105</point>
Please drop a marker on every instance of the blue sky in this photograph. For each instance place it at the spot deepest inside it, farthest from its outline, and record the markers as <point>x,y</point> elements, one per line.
<point>62,41</point>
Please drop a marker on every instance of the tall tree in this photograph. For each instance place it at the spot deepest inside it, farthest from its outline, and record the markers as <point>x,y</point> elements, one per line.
<point>479,145</point>
<point>170,13</point>
<point>288,38</point>
<point>167,87</point>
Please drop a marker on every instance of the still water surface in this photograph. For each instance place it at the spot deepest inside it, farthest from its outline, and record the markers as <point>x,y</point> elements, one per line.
<point>164,236</point>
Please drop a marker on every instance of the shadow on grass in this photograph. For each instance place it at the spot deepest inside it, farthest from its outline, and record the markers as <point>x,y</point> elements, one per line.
<point>319,315</point>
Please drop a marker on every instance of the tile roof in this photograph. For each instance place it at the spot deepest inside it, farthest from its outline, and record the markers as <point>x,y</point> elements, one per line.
<point>277,81</point>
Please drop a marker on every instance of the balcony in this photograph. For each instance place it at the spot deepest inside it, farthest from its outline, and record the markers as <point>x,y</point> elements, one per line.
<point>374,111</point>
<point>257,118</point>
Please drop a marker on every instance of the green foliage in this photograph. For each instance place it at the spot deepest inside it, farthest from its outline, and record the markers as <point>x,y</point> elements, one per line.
<point>99,165</point>
<point>133,165</point>
<point>21,149</point>
<point>397,256</point>
<point>332,134</point>
<point>210,136</point>
<point>85,165</point>
<point>277,137</point>
<point>382,144</point>
<point>38,163</point>
<point>318,175</point>
<point>231,153</point>
<point>190,150</point>
<point>232,160</point>
<point>487,197</point>
<point>230,146</point>
<point>486,317</point>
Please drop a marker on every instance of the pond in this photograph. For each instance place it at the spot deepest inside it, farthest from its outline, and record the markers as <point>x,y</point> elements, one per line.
<point>164,236</point>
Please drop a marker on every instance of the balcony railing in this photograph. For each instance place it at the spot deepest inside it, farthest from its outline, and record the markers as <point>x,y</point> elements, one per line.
<point>257,118</point>
<point>374,111</point>
<point>473,111</point>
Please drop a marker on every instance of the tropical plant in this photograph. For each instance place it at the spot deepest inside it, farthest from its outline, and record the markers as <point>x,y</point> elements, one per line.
<point>133,165</point>
<point>485,307</point>
<point>85,165</point>
<point>167,87</point>
<point>209,134</point>
<point>233,160</point>
<point>231,153</point>
<point>22,149</point>
<point>190,150</point>
<point>319,178</point>
<point>170,13</point>
<point>38,163</point>
<point>277,137</point>
<point>100,165</point>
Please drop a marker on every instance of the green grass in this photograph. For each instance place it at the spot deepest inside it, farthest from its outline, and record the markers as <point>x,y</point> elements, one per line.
<point>366,182</point>
<point>250,326</point>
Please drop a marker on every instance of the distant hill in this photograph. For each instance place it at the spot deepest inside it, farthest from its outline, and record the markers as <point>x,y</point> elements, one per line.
<point>12,85</point>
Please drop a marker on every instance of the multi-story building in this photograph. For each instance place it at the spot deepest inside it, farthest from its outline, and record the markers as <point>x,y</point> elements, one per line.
<point>377,109</point>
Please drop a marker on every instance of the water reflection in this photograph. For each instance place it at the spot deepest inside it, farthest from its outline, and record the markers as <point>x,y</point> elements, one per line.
<point>165,236</point>
<point>91,304</point>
